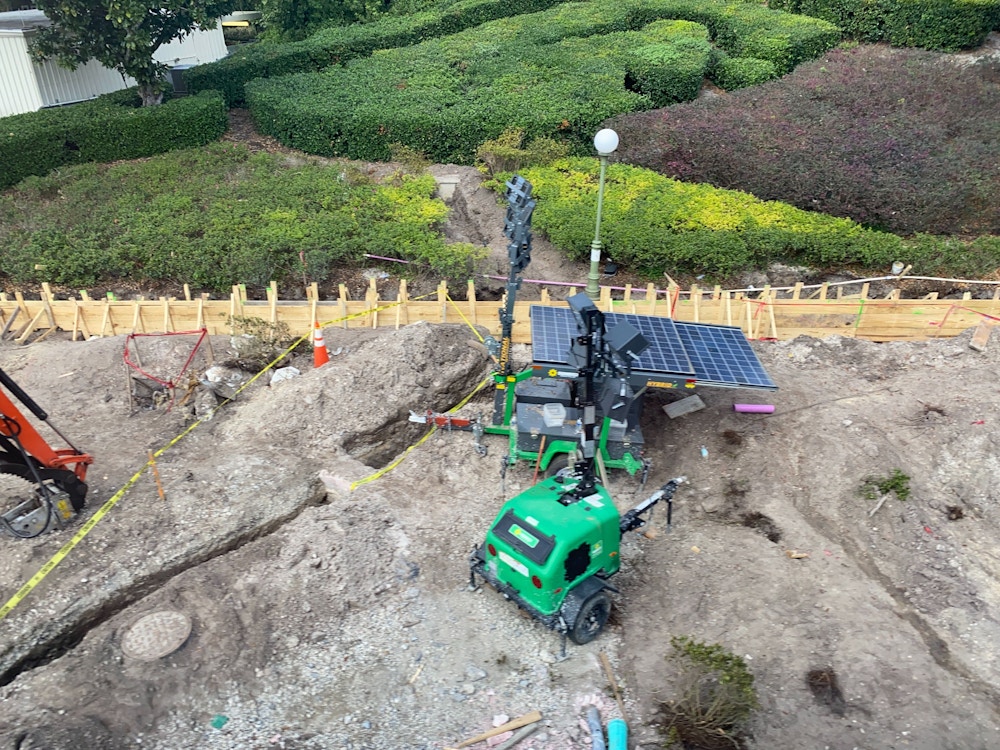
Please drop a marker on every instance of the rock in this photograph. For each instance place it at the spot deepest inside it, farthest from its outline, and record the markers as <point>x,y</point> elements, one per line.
<point>475,673</point>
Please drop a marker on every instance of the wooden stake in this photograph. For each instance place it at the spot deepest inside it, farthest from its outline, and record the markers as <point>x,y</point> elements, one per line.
<point>156,476</point>
<point>47,301</point>
<point>168,322</point>
<point>371,302</point>
<point>10,321</point>
<point>343,303</point>
<point>30,328</point>
<point>609,673</point>
<point>513,724</point>
<point>471,296</point>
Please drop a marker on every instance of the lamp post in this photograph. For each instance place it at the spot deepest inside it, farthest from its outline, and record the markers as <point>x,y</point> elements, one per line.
<point>606,141</point>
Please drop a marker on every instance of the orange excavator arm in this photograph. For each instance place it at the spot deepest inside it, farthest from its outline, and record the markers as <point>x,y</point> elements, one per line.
<point>14,425</point>
<point>59,474</point>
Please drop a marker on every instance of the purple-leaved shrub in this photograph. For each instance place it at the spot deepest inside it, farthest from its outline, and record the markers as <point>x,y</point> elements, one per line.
<point>900,140</point>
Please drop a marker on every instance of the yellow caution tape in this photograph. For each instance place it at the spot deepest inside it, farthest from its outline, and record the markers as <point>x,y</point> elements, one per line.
<point>462,316</point>
<point>87,527</point>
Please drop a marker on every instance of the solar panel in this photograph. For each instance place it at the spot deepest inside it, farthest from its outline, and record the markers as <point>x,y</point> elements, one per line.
<point>666,353</point>
<point>722,357</point>
<point>552,329</point>
<point>710,354</point>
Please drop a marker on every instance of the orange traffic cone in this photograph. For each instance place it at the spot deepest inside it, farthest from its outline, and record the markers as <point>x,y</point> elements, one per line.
<point>320,355</point>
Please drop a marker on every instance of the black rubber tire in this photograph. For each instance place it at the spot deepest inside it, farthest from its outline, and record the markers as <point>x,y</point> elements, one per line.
<point>556,465</point>
<point>591,618</point>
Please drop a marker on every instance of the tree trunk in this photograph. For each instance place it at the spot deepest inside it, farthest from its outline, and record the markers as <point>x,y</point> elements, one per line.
<point>150,96</point>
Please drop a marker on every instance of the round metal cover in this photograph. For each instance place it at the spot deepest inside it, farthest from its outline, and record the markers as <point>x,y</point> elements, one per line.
<point>155,635</point>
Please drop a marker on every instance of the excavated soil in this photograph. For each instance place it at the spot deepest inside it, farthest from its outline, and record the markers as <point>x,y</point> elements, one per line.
<point>327,618</point>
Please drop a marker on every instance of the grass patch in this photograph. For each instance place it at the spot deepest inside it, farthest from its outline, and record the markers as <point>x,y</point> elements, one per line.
<point>897,483</point>
<point>216,216</point>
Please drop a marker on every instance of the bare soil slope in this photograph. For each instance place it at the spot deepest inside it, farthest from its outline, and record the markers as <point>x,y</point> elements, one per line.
<point>331,619</point>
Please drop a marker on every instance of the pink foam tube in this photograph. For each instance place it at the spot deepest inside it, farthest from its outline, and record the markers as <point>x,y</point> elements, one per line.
<point>754,408</point>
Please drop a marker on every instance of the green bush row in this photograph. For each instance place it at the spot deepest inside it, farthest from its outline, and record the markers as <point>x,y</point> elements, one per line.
<point>945,25</point>
<point>107,129</point>
<point>340,44</point>
<point>654,224</point>
<point>216,216</point>
<point>557,73</point>
<point>743,29</point>
<point>733,73</point>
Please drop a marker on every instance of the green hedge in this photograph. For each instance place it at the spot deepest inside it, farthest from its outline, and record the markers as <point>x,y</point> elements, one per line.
<point>945,25</point>
<point>744,29</point>
<point>557,73</point>
<point>673,70</point>
<point>106,129</point>
<point>733,73</point>
<point>652,224</point>
<point>340,44</point>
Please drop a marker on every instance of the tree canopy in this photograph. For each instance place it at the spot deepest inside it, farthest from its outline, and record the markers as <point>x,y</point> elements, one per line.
<point>122,34</point>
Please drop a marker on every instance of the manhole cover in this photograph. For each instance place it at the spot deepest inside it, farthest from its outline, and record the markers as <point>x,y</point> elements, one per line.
<point>155,635</point>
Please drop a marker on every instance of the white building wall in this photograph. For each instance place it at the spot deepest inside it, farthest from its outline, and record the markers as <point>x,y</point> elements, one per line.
<point>18,90</point>
<point>199,47</point>
<point>57,85</point>
<point>26,86</point>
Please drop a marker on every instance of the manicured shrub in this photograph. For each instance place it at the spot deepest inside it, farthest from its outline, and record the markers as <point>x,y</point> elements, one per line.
<point>653,224</point>
<point>734,73</point>
<point>672,68</point>
<point>106,129</point>
<point>901,140</point>
<point>509,153</point>
<point>338,44</point>
<point>945,25</point>
<point>558,73</point>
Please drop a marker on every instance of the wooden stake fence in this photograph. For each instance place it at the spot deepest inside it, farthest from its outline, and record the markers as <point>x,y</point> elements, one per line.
<point>761,315</point>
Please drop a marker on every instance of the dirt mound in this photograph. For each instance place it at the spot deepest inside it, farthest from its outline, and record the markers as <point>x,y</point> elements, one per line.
<point>326,618</point>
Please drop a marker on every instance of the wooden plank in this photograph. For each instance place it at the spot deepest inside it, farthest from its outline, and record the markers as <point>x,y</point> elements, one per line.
<point>981,337</point>
<point>650,299</point>
<point>84,329</point>
<point>30,328</point>
<point>604,301</point>
<point>402,298</point>
<point>371,302</point>
<point>168,319</point>
<point>10,322</point>
<point>343,303</point>
<point>470,294</point>
<point>136,318</point>
<point>272,298</point>
<point>47,301</point>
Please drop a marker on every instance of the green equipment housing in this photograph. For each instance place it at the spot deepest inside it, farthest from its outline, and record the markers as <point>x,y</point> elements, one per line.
<point>553,548</point>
